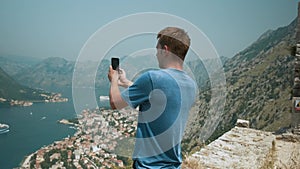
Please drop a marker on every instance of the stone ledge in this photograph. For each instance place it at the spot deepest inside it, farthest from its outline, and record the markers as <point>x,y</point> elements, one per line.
<point>238,148</point>
<point>289,137</point>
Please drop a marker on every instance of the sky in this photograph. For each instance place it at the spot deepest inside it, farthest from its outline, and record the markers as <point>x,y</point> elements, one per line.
<point>60,28</point>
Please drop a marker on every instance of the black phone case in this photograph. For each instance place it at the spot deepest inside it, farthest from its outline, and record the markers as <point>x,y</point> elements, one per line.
<point>115,63</point>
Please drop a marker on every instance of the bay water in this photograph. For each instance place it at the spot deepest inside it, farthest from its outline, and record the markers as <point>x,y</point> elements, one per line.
<point>32,128</point>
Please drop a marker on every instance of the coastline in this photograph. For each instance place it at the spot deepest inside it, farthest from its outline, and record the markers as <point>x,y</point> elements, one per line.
<point>67,122</point>
<point>53,98</point>
<point>26,161</point>
<point>95,143</point>
<point>40,122</point>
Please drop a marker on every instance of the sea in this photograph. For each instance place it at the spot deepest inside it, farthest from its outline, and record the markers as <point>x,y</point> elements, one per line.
<point>33,127</point>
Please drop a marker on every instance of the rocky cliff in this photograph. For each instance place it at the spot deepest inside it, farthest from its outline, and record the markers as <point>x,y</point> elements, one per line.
<point>259,83</point>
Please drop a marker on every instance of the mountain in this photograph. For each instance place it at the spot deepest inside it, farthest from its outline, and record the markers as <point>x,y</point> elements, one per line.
<point>56,74</point>
<point>15,64</point>
<point>200,72</point>
<point>11,90</point>
<point>259,83</point>
<point>48,73</point>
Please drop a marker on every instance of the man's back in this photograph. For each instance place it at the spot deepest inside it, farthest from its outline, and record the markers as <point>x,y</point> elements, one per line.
<point>164,98</point>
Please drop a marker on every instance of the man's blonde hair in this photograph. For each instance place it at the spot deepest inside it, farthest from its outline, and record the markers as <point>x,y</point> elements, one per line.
<point>176,39</point>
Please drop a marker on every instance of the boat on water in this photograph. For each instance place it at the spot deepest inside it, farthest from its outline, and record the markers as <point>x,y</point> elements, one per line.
<point>104,98</point>
<point>4,128</point>
<point>72,127</point>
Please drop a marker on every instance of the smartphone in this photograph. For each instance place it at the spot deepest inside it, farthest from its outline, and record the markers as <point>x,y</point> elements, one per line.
<point>115,63</point>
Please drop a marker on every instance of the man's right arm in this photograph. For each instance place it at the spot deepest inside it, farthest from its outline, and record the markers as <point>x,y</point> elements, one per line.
<point>116,101</point>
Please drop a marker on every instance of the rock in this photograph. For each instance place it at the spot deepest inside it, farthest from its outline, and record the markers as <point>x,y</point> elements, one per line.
<point>242,123</point>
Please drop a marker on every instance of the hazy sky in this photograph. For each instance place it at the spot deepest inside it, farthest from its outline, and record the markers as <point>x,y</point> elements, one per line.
<point>61,27</point>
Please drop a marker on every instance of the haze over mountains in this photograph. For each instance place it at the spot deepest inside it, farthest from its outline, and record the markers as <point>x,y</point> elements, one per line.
<point>12,93</point>
<point>52,74</point>
<point>258,81</point>
<point>12,90</point>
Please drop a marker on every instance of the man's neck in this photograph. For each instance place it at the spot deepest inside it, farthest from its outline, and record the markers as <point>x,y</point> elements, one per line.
<point>178,67</point>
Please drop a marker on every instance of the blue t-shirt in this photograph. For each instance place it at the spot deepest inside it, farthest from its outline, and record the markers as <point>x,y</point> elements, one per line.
<point>164,98</point>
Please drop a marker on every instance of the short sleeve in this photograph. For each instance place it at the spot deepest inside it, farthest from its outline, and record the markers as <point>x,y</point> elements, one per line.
<point>138,93</point>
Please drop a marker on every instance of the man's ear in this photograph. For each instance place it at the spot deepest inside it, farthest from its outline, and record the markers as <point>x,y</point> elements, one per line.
<point>166,48</point>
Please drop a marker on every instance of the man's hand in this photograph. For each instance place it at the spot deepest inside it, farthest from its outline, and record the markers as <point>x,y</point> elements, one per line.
<point>118,76</point>
<point>123,81</point>
<point>113,75</point>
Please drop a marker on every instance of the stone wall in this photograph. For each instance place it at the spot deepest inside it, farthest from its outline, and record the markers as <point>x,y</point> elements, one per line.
<point>246,148</point>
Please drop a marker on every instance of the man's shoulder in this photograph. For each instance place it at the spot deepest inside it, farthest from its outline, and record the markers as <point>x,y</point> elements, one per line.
<point>159,74</point>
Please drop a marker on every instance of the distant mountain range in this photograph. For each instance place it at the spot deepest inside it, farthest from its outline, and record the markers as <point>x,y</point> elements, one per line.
<point>15,64</point>
<point>259,83</point>
<point>11,90</point>
<point>56,74</point>
<point>51,72</point>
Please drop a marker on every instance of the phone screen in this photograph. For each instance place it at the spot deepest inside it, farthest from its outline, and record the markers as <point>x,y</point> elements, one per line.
<point>115,63</point>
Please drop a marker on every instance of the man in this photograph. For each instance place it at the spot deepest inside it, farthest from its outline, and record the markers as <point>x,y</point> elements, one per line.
<point>164,97</point>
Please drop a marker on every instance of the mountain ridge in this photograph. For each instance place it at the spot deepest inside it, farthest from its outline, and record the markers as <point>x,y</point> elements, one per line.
<point>259,84</point>
<point>53,71</point>
<point>11,90</point>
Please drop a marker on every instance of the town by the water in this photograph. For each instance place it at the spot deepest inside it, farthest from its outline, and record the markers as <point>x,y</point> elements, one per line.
<point>53,98</point>
<point>94,145</point>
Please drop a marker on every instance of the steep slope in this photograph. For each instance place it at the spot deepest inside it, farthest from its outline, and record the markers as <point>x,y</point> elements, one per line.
<point>199,70</point>
<point>259,83</point>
